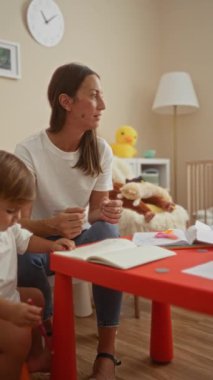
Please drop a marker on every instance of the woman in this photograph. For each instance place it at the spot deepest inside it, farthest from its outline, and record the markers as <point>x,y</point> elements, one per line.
<point>72,168</point>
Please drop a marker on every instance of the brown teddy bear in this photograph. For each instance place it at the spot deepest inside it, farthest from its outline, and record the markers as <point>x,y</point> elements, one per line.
<point>139,196</point>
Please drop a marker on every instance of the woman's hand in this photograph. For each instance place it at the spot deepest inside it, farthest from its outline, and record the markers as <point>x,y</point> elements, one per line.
<point>63,244</point>
<point>68,222</point>
<point>22,314</point>
<point>111,210</point>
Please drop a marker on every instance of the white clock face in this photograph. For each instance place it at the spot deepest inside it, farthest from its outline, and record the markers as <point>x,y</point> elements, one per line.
<point>45,22</point>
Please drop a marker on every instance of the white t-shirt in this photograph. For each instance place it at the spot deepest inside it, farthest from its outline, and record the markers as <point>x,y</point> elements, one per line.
<point>12,241</point>
<point>59,185</point>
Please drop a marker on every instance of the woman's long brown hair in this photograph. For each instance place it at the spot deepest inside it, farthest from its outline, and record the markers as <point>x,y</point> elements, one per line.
<point>67,79</point>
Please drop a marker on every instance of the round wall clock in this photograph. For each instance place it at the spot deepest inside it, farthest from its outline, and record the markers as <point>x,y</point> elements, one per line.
<point>45,22</point>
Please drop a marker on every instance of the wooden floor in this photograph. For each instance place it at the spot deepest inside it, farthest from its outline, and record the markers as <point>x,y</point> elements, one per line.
<point>193,345</point>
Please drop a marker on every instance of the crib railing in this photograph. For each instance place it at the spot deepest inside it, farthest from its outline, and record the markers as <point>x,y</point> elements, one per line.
<point>200,191</point>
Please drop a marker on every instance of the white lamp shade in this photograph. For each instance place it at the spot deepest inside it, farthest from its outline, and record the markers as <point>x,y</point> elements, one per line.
<point>175,89</point>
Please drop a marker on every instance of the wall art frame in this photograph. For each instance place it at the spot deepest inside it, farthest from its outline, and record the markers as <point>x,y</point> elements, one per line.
<point>10,65</point>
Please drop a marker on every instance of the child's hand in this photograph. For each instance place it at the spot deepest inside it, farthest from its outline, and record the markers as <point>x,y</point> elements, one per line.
<point>23,314</point>
<point>63,244</point>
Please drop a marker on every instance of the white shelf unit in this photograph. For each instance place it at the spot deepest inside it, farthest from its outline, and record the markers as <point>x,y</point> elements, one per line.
<point>138,165</point>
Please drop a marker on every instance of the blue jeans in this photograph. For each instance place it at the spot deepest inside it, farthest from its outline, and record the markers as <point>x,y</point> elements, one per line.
<point>34,269</point>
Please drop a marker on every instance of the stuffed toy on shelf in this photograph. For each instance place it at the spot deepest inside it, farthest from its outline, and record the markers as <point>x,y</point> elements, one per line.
<point>125,140</point>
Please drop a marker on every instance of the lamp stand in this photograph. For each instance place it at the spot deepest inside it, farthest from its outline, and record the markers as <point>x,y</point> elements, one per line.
<point>175,95</point>
<point>174,166</point>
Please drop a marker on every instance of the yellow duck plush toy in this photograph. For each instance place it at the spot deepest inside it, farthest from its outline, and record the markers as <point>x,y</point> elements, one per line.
<point>125,139</point>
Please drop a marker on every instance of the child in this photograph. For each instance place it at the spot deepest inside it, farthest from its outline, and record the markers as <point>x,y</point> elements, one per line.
<point>17,316</point>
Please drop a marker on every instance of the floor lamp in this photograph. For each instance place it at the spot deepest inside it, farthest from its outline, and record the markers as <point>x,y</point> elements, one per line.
<point>175,95</point>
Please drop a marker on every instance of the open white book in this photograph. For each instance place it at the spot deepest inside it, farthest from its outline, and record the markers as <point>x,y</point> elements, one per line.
<point>119,253</point>
<point>200,233</point>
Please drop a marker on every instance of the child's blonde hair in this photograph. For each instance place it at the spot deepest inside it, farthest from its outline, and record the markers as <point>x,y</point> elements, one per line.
<point>16,181</point>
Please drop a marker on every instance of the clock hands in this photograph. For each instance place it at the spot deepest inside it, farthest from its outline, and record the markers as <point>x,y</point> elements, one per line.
<point>46,20</point>
<point>51,18</point>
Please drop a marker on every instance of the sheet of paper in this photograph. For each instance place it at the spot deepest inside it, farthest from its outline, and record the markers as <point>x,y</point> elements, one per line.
<point>203,226</point>
<point>148,238</point>
<point>202,270</point>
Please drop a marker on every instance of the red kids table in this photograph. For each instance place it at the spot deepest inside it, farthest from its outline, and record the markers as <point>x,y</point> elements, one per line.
<point>164,287</point>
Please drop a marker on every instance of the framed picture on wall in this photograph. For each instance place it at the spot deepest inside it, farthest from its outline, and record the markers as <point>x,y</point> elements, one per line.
<point>10,59</point>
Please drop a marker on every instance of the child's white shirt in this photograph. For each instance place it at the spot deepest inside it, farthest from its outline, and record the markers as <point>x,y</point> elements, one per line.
<point>13,241</point>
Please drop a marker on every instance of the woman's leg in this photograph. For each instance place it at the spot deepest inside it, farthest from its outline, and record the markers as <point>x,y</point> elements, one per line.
<point>108,304</point>
<point>15,344</point>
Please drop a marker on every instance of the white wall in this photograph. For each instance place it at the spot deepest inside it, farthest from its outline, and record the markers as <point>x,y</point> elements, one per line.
<point>117,38</point>
<point>186,44</point>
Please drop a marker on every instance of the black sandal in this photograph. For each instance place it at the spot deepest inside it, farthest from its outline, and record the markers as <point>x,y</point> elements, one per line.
<point>109,356</point>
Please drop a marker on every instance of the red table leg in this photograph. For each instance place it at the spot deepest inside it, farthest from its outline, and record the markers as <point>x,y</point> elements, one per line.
<point>25,373</point>
<point>64,350</point>
<point>161,342</point>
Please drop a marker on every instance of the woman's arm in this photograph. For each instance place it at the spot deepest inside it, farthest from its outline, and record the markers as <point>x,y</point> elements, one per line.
<point>67,223</point>
<point>102,208</point>
<point>37,227</point>
<point>42,227</point>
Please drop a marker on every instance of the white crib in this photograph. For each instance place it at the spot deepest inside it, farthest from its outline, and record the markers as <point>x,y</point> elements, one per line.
<point>200,191</point>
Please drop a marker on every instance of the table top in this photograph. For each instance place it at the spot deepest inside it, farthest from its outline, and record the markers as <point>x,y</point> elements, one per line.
<point>173,286</point>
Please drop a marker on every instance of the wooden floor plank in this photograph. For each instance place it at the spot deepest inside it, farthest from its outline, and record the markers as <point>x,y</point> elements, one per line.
<point>193,345</point>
